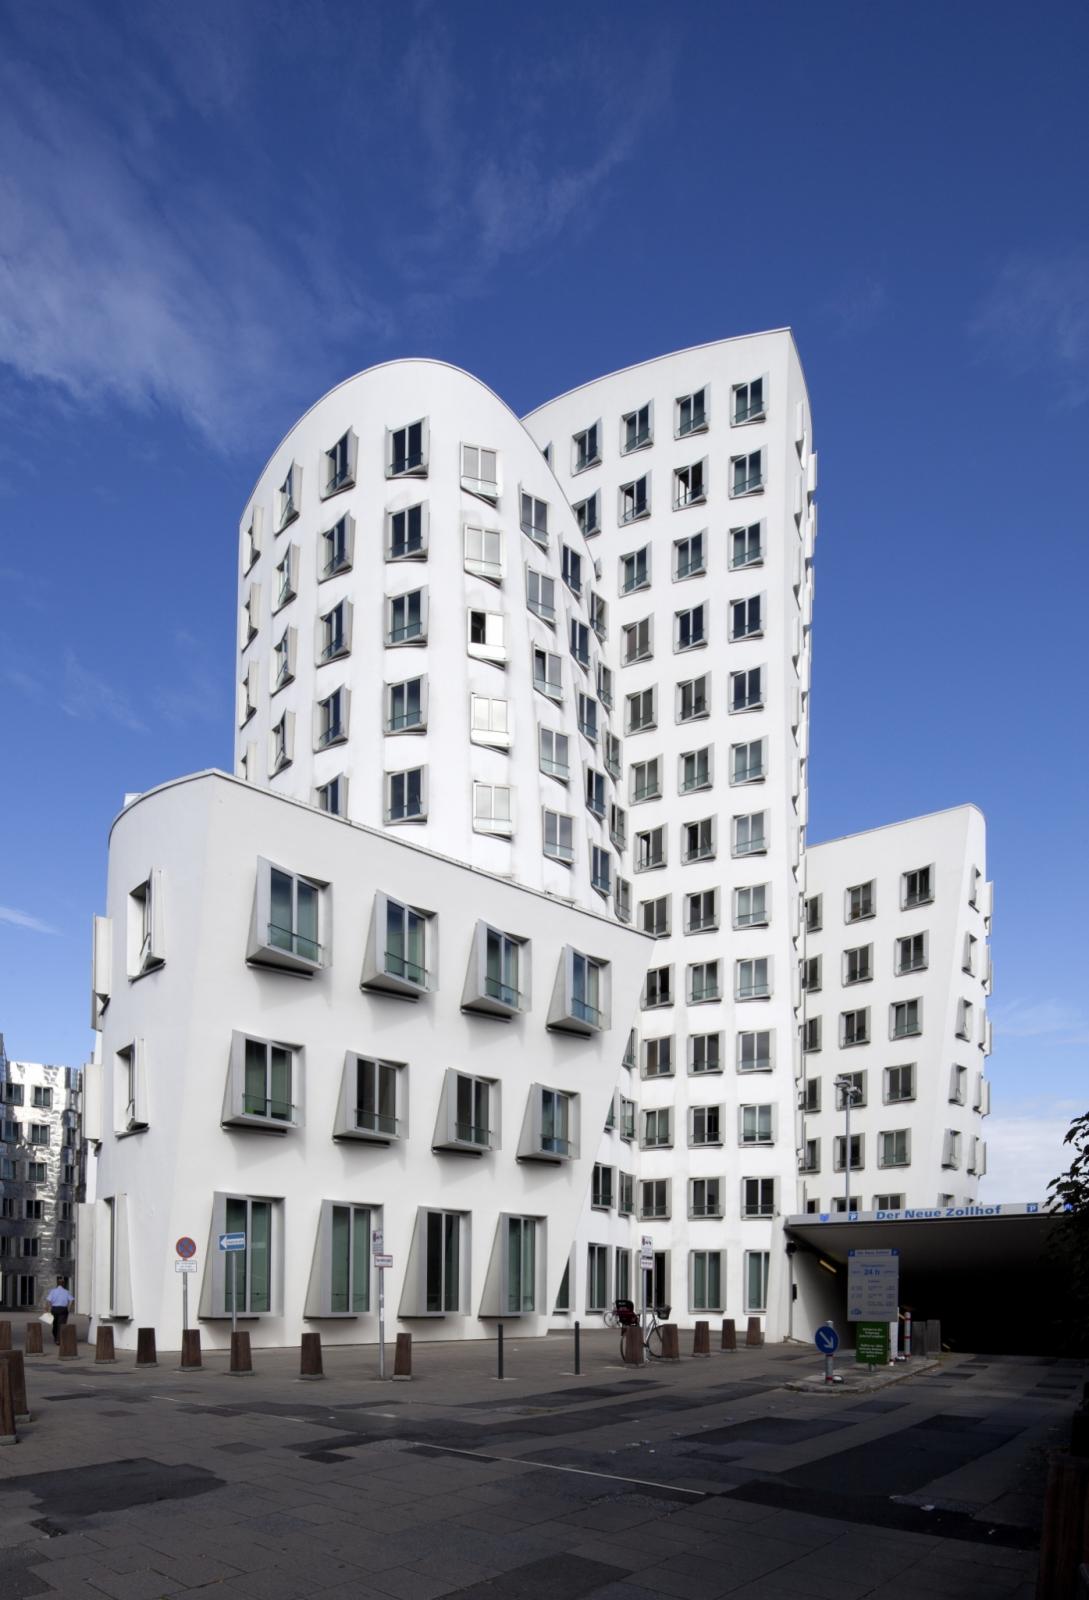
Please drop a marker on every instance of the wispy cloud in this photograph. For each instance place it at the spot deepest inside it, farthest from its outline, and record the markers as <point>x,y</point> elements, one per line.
<point>858,309</point>
<point>1035,318</point>
<point>1025,1149</point>
<point>23,919</point>
<point>1040,1019</point>
<point>86,695</point>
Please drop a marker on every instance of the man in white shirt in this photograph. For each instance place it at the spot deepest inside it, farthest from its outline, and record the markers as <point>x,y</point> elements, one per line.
<point>59,1300</point>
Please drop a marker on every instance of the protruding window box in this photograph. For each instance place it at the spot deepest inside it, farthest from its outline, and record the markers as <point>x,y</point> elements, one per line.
<point>580,995</point>
<point>468,1114</point>
<point>550,1127</point>
<point>399,949</point>
<point>264,1085</point>
<point>372,1100</point>
<point>287,924</point>
<point>497,981</point>
<point>514,1285</point>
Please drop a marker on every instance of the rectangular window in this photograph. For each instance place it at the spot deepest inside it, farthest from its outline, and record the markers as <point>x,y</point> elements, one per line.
<point>534,519</point>
<point>747,473</point>
<point>587,989</point>
<point>442,1254</point>
<point>747,761</point>
<point>406,706</point>
<point>332,797</point>
<point>757,1125</point>
<point>758,1197</point>
<point>571,569</point>
<point>851,1084</point>
<point>658,1057</point>
<point>746,546</point>
<point>472,1111</point>
<point>691,413</point>
<point>694,699</point>
<point>905,1019</point>
<point>811,975</point>
<point>706,1276</point>
<point>654,1199</point>
<point>489,721</point>
<point>698,840</point>
<point>335,632</point>
<point>600,870</point>
<point>650,850</point>
<point>635,429</point>
<point>484,552</point>
<point>332,719</point>
<point>811,1157</point>
<point>701,911</point>
<point>646,781</point>
<point>625,1201</point>
<point>705,1197</point>
<point>751,906</point>
<point>586,450</point>
<point>861,902</point>
<point>811,1034</point>
<point>689,629</point>
<point>634,500</point>
<point>407,534</point>
<point>554,757</point>
<point>294,904</point>
<point>547,674</point>
<point>689,557</point>
<point>747,689</point>
<point>839,1147</point>
<point>637,641</point>
<point>658,988</point>
<point>704,1053</point>
<point>493,809</point>
<point>911,953</point>
<point>893,1149</point>
<point>703,982</point>
<point>597,1277</point>
<point>559,836</point>
<point>557,1122</point>
<point>520,1265</point>
<point>749,404</point>
<point>916,888</point>
<point>406,935</point>
<point>746,618</point>
<point>350,1260</point>
<point>622,899</point>
<point>486,634</point>
<point>588,515</point>
<point>599,616</point>
<point>899,1084</point>
<point>408,450</point>
<point>595,792</point>
<point>705,1125</point>
<point>541,594</point>
<point>757,1263</point>
<point>811,1095</point>
<point>858,964</point>
<point>854,1027</point>
<point>405,792</point>
<point>268,1071</point>
<point>752,980</point>
<point>654,917</point>
<point>695,771</point>
<point>375,1108</point>
<point>642,712</point>
<point>750,837</point>
<point>635,570</point>
<point>602,1197</point>
<point>964,1019</point>
<point>689,485</point>
<point>480,471</point>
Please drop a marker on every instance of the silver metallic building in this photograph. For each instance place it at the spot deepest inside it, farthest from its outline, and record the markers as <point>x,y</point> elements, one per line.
<point>41,1178</point>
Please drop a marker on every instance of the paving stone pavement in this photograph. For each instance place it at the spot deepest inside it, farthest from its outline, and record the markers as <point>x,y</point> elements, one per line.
<point>695,1479</point>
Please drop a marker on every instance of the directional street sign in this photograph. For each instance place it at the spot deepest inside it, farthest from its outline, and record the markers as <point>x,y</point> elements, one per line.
<point>826,1340</point>
<point>873,1285</point>
<point>232,1241</point>
<point>383,1261</point>
<point>185,1266</point>
<point>186,1247</point>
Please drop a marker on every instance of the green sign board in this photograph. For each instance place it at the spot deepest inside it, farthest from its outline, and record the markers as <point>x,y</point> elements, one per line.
<point>872,1343</point>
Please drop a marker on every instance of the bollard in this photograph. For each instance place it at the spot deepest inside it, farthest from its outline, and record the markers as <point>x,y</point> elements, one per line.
<point>13,1360</point>
<point>631,1348</point>
<point>145,1348</point>
<point>5,1335</point>
<point>578,1351</point>
<point>1064,1537</point>
<point>753,1334</point>
<point>7,1408</point>
<point>32,1343</point>
<point>499,1352</point>
<point>69,1344</point>
<point>701,1339</point>
<point>104,1354</point>
<point>402,1357</point>
<point>671,1342</point>
<point>729,1333</point>
<point>310,1366</point>
<point>933,1345</point>
<point>241,1355</point>
<point>190,1353</point>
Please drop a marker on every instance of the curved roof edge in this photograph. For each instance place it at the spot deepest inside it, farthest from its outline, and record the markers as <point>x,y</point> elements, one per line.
<point>903,822</point>
<point>707,344</point>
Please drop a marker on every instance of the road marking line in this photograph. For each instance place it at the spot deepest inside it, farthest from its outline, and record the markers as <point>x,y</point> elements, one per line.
<point>551,1466</point>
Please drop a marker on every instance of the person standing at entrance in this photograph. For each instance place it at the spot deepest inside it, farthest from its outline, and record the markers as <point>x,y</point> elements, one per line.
<point>59,1302</point>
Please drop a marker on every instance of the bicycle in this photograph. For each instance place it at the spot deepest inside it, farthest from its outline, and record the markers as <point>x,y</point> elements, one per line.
<point>624,1316</point>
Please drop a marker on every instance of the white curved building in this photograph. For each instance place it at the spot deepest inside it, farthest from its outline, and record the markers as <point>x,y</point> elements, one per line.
<point>503,688</point>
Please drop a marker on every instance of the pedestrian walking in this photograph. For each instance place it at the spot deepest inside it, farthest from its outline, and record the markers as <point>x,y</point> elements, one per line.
<point>59,1302</point>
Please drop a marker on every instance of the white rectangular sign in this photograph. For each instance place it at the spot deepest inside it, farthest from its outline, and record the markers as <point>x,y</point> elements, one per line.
<point>873,1285</point>
<point>383,1261</point>
<point>377,1240</point>
<point>185,1266</point>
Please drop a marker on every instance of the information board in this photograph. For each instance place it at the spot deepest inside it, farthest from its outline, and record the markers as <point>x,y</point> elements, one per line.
<point>873,1285</point>
<point>872,1343</point>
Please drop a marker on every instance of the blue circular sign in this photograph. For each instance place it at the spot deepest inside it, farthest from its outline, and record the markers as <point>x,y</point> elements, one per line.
<point>826,1340</point>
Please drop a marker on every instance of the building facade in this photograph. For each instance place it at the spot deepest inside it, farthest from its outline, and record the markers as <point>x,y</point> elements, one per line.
<point>537,690</point>
<point>41,1178</point>
<point>896,974</point>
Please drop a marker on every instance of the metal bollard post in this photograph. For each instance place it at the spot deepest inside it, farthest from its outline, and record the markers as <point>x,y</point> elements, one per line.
<point>499,1348</point>
<point>402,1360</point>
<point>578,1351</point>
<point>8,1434</point>
<point>310,1362</point>
<point>145,1348</point>
<point>13,1361</point>
<point>32,1340</point>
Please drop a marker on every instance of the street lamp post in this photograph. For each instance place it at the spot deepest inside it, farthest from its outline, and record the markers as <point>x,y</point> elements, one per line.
<point>848,1090</point>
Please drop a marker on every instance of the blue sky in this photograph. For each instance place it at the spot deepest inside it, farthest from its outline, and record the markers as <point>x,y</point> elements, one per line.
<point>209,215</point>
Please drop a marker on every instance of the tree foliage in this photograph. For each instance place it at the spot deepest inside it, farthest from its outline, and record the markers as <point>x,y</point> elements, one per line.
<point>1069,1194</point>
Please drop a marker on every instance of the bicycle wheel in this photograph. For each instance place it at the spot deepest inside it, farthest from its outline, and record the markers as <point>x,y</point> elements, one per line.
<point>611,1320</point>
<point>653,1342</point>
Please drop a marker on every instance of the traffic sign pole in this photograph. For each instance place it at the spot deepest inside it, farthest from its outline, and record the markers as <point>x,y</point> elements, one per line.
<point>186,1249</point>
<point>377,1243</point>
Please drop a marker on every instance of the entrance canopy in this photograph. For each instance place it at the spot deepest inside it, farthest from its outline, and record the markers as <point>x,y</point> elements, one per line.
<point>951,1239</point>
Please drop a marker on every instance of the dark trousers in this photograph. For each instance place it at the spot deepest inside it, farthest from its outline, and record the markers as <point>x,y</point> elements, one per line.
<point>60,1317</point>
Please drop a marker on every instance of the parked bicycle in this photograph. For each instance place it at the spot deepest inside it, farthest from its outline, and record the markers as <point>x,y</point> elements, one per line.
<point>624,1316</point>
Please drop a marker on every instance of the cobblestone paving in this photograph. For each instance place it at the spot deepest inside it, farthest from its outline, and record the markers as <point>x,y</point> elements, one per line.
<point>696,1479</point>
